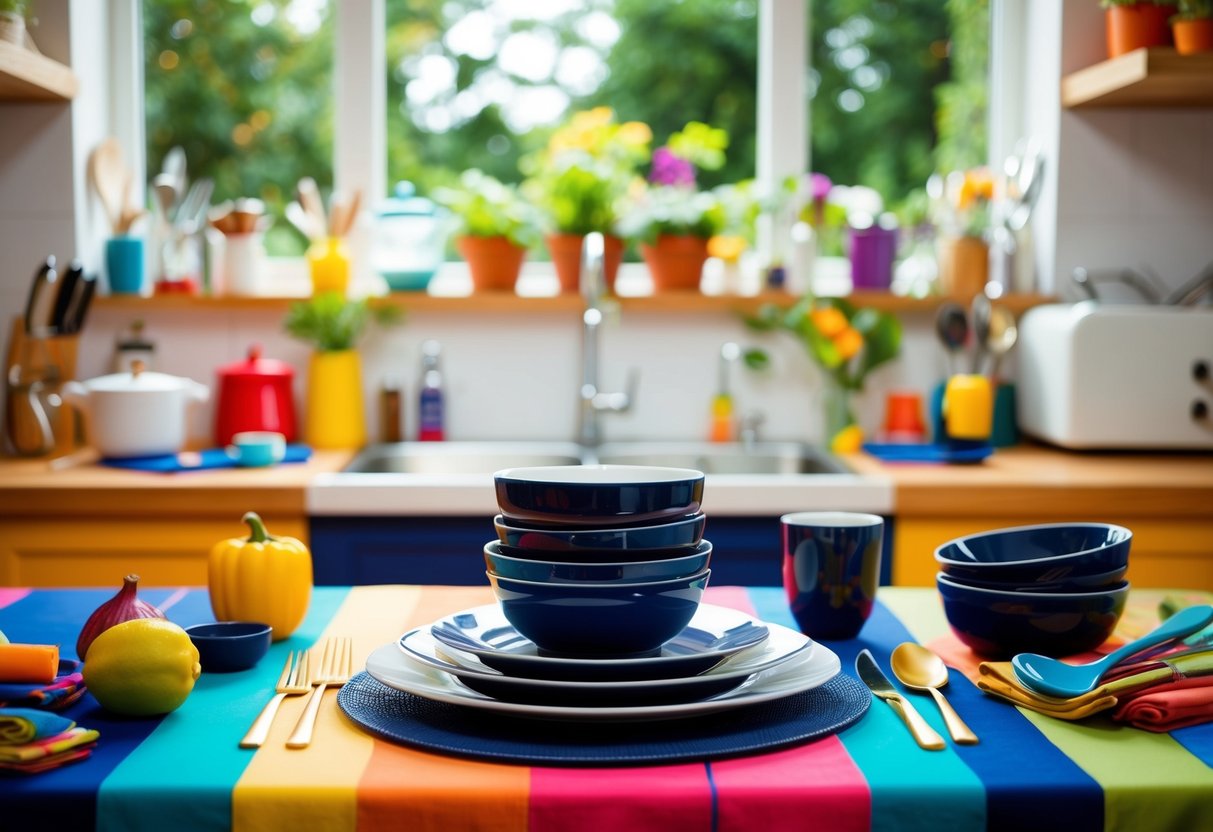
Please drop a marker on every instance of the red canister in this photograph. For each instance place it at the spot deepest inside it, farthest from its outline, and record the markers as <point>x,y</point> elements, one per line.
<point>255,394</point>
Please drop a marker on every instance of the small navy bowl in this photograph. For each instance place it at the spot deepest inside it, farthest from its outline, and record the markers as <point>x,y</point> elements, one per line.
<point>1046,554</point>
<point>501,563</point>
<point>1071,583</point>
<point>596,496</point>
<point>598,545</point>
<point>999,624</point>
<point>227,646</point>
<point>600,619</point>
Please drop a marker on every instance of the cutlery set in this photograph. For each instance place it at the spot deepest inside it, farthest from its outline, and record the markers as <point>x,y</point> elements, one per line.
<point>298,677</point>
<point>907,664</point>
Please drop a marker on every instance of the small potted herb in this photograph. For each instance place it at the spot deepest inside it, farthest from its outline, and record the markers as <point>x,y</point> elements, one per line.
<point>1134,24</point>
<point>1193,27</point>
<point>333,325</point>
<point>495,228</point>
<point>12,20</point>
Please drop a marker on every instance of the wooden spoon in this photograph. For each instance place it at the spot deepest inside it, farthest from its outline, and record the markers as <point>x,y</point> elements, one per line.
<point>107,172</point>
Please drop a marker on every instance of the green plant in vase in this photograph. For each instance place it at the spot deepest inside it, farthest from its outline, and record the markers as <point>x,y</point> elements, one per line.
<point>846,342</point>
<point>333,325</point>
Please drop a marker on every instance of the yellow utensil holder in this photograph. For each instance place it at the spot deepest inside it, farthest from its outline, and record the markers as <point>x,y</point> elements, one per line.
<point>968,407</point>
<point>334,400</point>
<point>329,261</point>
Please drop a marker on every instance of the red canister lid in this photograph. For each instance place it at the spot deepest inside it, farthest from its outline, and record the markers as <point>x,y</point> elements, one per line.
<point>255,365</point>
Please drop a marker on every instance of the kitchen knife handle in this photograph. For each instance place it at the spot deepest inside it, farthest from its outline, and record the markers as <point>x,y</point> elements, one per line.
<point>926,736</point>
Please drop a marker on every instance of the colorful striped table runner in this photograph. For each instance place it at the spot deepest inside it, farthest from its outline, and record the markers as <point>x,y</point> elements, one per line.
<point>186,770</point>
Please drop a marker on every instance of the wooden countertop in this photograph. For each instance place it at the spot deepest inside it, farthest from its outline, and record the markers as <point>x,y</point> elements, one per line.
<point>1047,482</point>
<point>1025,480</point>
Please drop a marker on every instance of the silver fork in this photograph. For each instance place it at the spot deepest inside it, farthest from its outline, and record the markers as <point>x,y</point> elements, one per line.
<point>294,680</point>
<point>337,665</point>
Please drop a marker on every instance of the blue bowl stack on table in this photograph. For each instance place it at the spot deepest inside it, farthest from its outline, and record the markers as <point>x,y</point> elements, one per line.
<point>1054,589</point>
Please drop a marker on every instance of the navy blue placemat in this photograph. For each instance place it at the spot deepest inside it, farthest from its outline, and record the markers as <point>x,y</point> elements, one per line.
<point>196,460</point>
<point>490,735</point>
<point>945,453</point>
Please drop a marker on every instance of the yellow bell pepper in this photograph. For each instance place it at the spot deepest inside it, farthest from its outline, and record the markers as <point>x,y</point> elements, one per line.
<point>264,579</point>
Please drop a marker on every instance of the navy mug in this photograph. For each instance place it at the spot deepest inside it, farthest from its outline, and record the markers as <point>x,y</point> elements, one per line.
<point>831,568</point>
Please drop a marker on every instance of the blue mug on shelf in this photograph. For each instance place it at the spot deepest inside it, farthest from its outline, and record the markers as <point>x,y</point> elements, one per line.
<point>124,265</point>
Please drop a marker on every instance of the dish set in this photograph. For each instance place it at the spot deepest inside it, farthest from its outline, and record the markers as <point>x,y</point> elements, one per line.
<point>1055,589</point>
<point>599,573</point>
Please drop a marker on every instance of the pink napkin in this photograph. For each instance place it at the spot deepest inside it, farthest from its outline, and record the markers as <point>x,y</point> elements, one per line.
<point>1162,708</point>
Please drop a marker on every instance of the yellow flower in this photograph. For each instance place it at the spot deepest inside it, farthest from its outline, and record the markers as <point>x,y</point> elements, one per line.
<point>848,343</point>
<point>727,247</point>
<point>848,440</point>
<point>635,133</point>
<point>828,321</point>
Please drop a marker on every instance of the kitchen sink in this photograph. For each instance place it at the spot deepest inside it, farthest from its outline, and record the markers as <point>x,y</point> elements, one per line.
<point>487,457</point>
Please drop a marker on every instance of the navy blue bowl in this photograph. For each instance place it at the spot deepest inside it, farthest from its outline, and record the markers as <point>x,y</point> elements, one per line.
<point>597,496</point>
<point>1048,554</point>
<point>227,646</point>
<point>999,624</point>
<point>1070,583</point>
<point>597,545</point>
<point>600,619</point>
<point>501,563</point>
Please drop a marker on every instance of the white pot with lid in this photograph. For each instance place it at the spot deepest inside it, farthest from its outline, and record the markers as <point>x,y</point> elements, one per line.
<point>136,413</point>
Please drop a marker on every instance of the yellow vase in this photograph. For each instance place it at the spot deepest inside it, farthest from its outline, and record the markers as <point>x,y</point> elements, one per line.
<point>334,400</point>
<point>329,261</point>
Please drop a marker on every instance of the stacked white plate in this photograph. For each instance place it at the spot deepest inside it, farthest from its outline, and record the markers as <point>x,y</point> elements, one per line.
<point>724,659</point>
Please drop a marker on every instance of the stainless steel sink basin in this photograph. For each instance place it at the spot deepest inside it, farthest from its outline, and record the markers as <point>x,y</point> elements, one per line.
<point>487,457</point>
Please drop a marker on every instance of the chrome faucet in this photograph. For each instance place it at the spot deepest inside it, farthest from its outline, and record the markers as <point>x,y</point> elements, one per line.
<point>592,283</point>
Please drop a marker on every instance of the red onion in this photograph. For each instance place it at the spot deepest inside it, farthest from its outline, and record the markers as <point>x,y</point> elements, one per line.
<point>124,606</point>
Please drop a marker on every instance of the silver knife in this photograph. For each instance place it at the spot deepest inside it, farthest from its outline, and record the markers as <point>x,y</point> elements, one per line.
<point>926,736</point>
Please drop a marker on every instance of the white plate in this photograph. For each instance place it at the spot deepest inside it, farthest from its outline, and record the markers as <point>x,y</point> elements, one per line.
<point>781,645</point>
<point>811,669</point>
<point>712,635</point>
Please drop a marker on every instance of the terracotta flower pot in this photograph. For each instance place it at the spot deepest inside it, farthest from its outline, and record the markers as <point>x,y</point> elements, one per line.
<point>1136,26</point>
<point>1192,36</point>
<point>675,262</point>
<point>494,262</point>
<point>565,250</point>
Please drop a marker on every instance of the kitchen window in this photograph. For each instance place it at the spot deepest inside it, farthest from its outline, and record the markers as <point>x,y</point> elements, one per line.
<point>262,93</point>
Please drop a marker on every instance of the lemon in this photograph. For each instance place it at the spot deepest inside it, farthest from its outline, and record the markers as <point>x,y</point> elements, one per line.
<point>142,667</point>
<point>846,441</point>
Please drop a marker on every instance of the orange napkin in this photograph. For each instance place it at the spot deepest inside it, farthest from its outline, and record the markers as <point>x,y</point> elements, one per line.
<point>1163,708</point>
<point>36,663</point>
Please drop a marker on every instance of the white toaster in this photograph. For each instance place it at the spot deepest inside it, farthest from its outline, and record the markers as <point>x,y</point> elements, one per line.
<point>1117,376</point>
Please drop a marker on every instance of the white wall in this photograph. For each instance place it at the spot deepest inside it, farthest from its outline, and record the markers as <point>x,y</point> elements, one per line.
<point>1123,188</point>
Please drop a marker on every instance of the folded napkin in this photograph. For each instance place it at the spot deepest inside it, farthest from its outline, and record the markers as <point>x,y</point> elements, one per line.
<point>1178,704</point>
<point>48,752</point>
<point>19,726</point>
<point>37,663</point>
<point>66,688</point>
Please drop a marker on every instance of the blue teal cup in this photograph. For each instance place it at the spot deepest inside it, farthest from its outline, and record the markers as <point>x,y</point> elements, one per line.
<point>831,568</point>
<point>257,448</point>
<point>124,265</point>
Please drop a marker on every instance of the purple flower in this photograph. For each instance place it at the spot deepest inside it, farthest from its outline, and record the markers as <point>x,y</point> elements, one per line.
<point>819,186</point>
<point>670,169</point>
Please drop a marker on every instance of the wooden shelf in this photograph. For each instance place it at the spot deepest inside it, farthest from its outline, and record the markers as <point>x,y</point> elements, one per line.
<point>26,75</point>
<point>674,303</point>
<point>1157,77</point>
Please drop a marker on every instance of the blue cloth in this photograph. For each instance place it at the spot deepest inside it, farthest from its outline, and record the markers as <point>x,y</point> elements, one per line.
<point>201,460</point>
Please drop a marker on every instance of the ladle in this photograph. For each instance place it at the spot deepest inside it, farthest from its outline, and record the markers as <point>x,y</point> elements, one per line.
<point>918,668</point>
<point>953,329</point>
<point>1056,678</point>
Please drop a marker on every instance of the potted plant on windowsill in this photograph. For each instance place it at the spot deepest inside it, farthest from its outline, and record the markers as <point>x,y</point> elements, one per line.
<point>578,181</point>
<point>1134,24</point>
<point>495,229</point>
<point>1193,27</point>
<point>672,218</point>
<point>333,325</point>
<point>12,21</point>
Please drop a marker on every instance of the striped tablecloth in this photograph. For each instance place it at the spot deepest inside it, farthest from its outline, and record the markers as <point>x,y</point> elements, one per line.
<point>186,772</point>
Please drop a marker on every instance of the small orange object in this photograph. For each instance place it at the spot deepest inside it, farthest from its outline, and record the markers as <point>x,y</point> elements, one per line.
<point>37,663</point>
<point>829,321</point>
<point>848,343</point>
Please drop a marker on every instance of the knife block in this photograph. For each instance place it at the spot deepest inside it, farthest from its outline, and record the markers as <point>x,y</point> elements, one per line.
<point>35,368</point>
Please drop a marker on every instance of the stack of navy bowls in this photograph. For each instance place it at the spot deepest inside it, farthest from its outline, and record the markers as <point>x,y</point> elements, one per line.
<point>605,560</point>
<point>1055,589</point>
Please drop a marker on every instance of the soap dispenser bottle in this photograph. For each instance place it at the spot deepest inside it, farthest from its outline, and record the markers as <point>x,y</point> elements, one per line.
<point>723,425</point>
<point>431,408</point>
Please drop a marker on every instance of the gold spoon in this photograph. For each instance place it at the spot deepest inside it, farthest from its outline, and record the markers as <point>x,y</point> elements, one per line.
<point>918,668</point>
